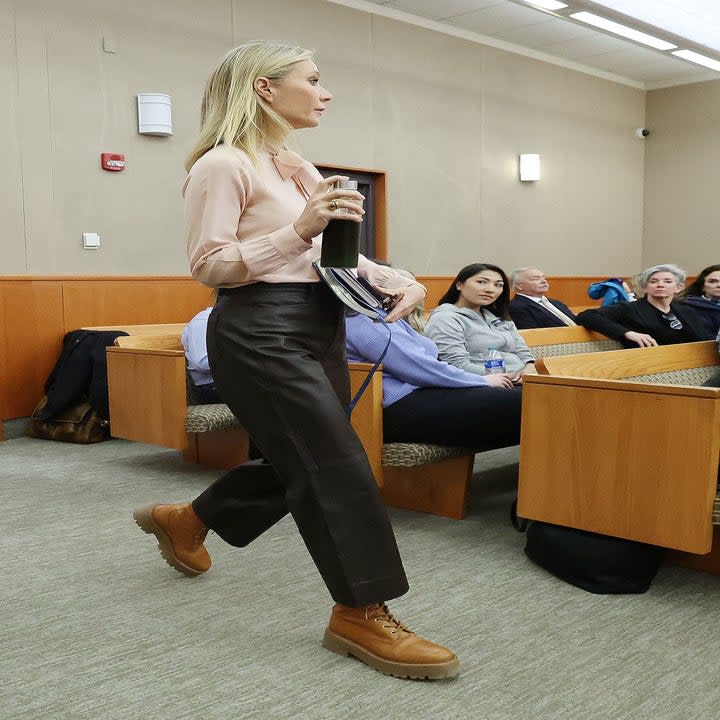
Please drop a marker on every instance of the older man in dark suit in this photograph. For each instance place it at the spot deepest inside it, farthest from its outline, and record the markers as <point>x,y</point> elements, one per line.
<point>530,308</point>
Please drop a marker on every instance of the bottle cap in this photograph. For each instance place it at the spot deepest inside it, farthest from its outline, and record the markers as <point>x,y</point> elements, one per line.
<point>345,185</point>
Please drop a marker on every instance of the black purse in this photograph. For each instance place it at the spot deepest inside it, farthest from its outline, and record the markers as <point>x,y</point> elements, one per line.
<point>354,291</point>
<point>596,563</point>
<point>358,296</point>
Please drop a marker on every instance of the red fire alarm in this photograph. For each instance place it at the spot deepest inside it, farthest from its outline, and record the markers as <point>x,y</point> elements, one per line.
<point>112,162</point>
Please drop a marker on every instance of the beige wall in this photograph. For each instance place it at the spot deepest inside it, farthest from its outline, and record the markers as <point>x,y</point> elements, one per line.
<point>444,117</point>
<point>682,176</point>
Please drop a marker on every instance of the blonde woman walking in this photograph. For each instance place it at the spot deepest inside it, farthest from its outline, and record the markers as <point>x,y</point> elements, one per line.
<point>255,214</point>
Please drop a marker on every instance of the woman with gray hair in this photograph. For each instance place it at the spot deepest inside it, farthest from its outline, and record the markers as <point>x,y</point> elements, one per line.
<point>655,319</point>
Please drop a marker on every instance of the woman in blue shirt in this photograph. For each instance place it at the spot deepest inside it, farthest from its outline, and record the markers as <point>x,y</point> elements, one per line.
<point>428,401</point>
<point>198,366</point>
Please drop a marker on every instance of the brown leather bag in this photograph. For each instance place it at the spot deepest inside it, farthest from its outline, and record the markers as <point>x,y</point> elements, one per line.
<point>76,424</point>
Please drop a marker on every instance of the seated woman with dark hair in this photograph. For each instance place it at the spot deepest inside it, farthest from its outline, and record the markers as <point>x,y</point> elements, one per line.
<point>656,319</point>
<point>428,401</point>
<point>703,296</point>
<point>473,318</point>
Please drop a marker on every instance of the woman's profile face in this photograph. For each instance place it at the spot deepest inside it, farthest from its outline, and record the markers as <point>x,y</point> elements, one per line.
<point>480,290</point>
<point>711,286</point>
<point>299,97</point>
<point>662,285</point>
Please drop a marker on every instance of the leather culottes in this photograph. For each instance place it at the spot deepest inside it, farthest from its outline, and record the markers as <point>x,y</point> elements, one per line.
<point>277,356</point>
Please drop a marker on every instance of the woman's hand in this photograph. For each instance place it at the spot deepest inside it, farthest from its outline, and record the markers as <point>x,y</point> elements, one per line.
<point>326,204</point>
<point>501,380</point>
<point>517,377</point>
<point>405,300</point>
<point>641,339</point>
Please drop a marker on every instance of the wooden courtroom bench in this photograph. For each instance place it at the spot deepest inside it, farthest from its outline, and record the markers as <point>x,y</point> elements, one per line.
<point>568,340</point>
<point>427,478</point>
<point>148,403</point>
<point>625,443</point>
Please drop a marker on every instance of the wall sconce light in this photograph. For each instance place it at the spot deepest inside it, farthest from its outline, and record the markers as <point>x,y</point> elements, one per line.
<point>529,167</point>
<point>154,114</point>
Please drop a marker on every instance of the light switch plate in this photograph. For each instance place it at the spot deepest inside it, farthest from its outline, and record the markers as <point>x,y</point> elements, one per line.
<point>91,241</point>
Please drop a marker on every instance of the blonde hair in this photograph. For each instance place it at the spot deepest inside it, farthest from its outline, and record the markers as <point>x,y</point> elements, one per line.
<point>416,319</point>
<point>232,113</point>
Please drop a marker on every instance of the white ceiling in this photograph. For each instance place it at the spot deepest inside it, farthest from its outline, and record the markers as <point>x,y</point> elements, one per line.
<point>518,27</point>
<point>697,20</point>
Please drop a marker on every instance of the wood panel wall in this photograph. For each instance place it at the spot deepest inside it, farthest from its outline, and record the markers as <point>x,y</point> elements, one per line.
<point>571,290</point>
<point>36,312</point>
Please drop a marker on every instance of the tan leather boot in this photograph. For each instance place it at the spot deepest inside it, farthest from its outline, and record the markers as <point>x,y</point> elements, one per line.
<point>180,534</point>
<point>374,636</point>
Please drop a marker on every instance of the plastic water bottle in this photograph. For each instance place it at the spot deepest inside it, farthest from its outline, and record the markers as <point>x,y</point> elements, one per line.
<point>494,362</point>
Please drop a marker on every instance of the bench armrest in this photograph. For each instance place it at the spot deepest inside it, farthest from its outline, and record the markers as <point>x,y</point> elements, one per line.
<point>147,395</point>
<point>367,416</point>
<point>631,460</point>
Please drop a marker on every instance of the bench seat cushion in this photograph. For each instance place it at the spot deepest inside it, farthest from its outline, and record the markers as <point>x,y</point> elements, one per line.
<point>574,348</point>
<point>208,418</point>
<point>413,454</point>
<point>686,376</point>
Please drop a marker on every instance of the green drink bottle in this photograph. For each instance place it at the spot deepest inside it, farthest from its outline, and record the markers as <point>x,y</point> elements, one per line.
<point>341,238</point>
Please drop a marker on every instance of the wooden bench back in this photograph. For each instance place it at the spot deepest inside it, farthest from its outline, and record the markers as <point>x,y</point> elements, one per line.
<point>150,342</point>
<point>155,329</point>
<point>545,342</point>
<point>619,364</point>
<point>559,335</point>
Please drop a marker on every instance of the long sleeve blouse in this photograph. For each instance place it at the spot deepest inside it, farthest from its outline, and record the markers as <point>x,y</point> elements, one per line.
<point>411,361</point>
<point>239,221</point>
<point>463,338</point>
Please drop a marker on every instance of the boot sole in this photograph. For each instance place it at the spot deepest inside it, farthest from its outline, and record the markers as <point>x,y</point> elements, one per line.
<point>144,520</point>
<point>432,671</point>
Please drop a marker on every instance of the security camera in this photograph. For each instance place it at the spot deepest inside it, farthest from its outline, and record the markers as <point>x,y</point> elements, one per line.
<point>642,133</point>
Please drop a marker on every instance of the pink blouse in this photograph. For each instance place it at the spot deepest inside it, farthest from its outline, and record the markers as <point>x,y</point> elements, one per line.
<point>239,221</point>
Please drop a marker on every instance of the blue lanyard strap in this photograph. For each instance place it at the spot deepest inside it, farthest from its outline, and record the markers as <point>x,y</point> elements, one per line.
<point>377,364</point>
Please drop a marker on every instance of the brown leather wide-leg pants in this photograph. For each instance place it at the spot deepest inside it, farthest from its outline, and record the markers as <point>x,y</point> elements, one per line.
<point>277,355</point>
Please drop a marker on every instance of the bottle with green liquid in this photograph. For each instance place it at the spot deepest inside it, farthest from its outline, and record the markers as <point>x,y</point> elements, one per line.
<point>341,238</point>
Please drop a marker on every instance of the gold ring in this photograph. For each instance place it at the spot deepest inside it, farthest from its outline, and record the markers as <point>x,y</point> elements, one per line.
<point>333,205</point>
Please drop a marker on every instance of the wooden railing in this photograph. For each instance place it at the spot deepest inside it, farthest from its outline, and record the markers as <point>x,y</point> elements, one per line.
<point>36,311</point>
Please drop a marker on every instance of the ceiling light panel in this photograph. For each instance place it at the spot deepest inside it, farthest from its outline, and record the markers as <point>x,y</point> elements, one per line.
<point>696,20</point>
<point>698,59</point>
<point>622,30</point>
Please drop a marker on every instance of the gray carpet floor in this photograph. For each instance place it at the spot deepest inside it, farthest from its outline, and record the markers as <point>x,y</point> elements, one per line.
<point>95,626</point>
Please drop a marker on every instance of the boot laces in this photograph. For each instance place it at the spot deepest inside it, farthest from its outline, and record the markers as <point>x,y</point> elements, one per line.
<point>199,537</point>
<point>381,613</point>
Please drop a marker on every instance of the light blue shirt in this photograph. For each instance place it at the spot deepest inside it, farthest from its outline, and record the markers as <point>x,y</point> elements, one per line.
<point>411,361</point>
<point>195,344</point>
